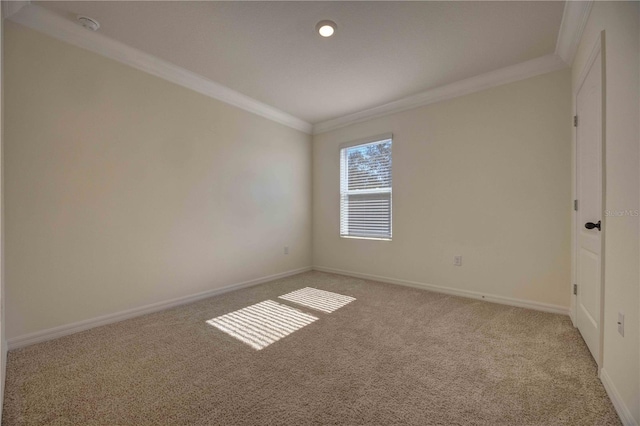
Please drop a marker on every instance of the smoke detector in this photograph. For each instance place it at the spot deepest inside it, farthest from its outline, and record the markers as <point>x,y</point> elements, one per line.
<point>89,23</point>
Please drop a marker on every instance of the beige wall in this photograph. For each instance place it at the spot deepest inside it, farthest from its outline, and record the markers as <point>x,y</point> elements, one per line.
<point>486,176</point>
<point>620,22</point>
<point>124,190</point>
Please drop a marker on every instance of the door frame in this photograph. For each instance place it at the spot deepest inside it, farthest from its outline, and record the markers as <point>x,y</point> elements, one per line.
<point>599,47</point>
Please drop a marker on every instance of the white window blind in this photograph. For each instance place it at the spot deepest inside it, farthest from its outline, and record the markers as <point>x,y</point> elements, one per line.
<point>365,190</point>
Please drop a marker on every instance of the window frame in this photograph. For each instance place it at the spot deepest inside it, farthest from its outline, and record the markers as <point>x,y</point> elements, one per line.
<point>372,140</point>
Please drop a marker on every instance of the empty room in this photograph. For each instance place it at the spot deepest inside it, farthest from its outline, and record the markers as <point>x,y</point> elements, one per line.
<point>320,213</point>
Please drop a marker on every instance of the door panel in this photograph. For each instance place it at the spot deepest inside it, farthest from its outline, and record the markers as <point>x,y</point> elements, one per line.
<point>588,276</point>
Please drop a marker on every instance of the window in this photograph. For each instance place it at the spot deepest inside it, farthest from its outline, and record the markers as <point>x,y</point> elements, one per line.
<point>365,189</point>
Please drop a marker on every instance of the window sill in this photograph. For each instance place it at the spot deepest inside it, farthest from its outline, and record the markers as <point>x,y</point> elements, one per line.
<point>351,237</point>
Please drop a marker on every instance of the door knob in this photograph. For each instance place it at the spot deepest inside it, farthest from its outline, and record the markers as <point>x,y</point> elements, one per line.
<point>591,225</point>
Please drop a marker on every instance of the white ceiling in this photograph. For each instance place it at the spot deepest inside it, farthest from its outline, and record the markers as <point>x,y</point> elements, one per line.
<point>382,51</point>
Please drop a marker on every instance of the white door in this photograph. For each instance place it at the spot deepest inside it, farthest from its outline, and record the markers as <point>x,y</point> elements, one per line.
<point>589,215</point>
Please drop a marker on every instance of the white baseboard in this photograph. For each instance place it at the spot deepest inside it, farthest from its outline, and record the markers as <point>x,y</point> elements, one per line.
<point>621,408</point>
<point>64,330</point>
<point>538,306</point>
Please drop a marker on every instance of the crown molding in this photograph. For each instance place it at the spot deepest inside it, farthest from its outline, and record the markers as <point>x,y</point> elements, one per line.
<point>47,22</point>
<point>521,71</point>
<point>574,18</point>
<point>12,7</point>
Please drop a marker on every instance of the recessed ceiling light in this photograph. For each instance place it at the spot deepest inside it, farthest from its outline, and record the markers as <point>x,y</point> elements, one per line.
<point>326,28</point>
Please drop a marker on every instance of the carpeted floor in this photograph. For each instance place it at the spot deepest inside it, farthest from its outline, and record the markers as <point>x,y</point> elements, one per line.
<point>394,356</point>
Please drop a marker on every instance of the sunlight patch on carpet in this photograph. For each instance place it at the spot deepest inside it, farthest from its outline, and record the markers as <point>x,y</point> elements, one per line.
<point>262,324</point>
<point>321,300</point>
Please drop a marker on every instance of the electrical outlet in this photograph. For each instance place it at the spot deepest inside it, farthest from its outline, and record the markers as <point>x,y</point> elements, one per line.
<point>621,323</point>
<point>457,260</point>
<point>286,249</point>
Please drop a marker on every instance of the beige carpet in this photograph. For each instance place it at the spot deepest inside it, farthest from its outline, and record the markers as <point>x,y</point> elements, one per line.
<point>394,356</point>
